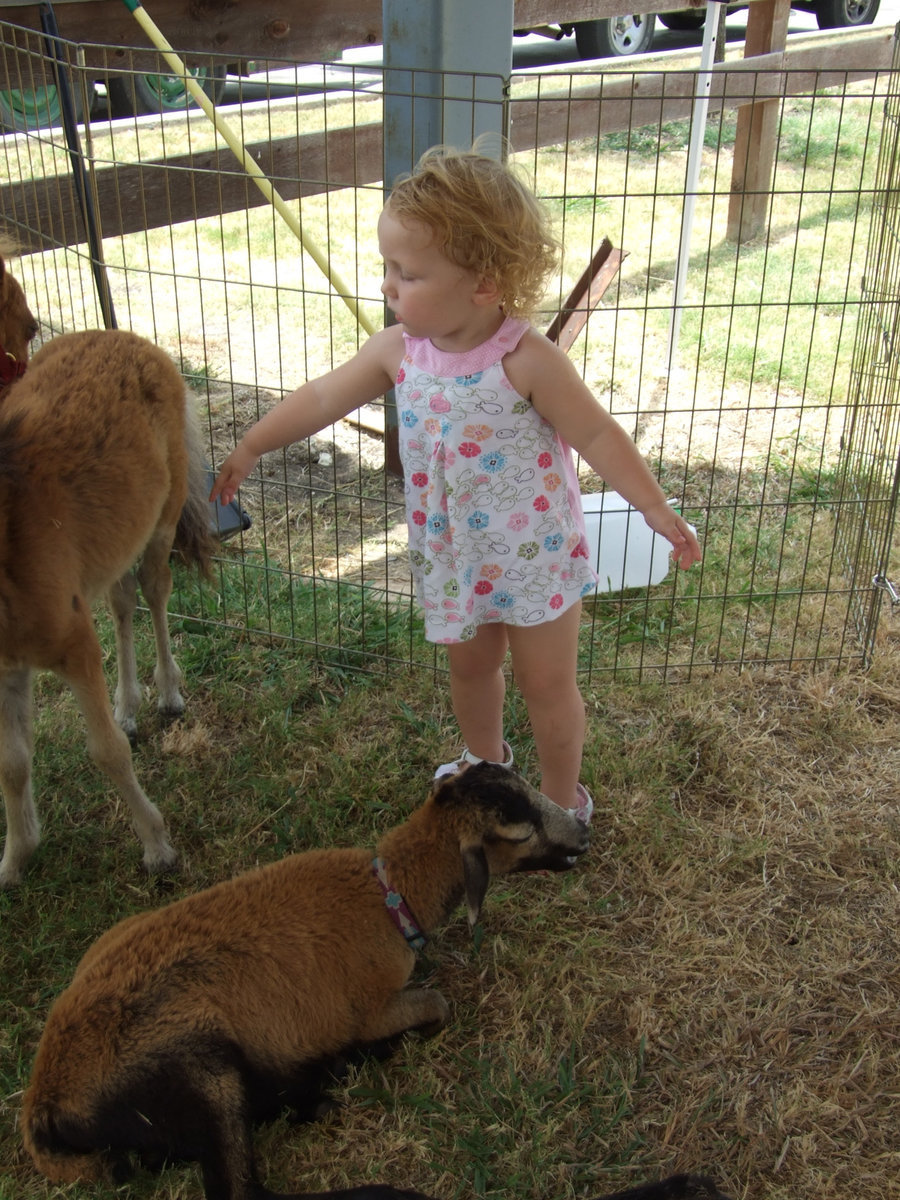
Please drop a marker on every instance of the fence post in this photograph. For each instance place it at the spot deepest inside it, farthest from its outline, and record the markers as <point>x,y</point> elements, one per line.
<point>447,65</point>
<point>754,147</point>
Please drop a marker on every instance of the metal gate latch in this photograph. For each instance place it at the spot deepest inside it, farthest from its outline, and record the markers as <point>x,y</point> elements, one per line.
<point>882,581</point>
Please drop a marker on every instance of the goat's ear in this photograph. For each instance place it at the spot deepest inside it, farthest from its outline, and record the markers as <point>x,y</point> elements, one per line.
<point>476,875</point>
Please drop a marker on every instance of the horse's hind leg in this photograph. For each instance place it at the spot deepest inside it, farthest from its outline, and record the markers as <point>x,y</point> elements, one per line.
<point>23,830</point>
<point>155,578</point>
<point>122,603</point>
<point>108,745</point>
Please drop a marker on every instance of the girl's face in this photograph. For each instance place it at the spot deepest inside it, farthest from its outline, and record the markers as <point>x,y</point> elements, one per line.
<point>427,293</point>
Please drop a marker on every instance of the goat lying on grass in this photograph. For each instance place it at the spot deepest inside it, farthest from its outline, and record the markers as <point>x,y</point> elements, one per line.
<point>184,1025</point>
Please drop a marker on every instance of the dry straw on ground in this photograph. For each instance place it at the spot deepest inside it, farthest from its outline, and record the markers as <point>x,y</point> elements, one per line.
<point>715,987</point>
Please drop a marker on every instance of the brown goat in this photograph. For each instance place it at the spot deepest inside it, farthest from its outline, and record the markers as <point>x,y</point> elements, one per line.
<point>101,468</point>
<point>184,1025</point>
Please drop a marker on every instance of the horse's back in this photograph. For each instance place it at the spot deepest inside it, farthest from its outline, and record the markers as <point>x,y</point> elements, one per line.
<point>94,378</point>
<point>92,439</point>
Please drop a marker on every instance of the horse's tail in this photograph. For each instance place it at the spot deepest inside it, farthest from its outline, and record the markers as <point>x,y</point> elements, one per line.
<point>194,539</point>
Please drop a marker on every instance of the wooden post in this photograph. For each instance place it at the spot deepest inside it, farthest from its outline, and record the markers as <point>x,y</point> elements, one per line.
<point>754,148</point>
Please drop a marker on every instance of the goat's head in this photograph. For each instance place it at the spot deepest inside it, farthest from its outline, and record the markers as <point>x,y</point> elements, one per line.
<point>506,825</point>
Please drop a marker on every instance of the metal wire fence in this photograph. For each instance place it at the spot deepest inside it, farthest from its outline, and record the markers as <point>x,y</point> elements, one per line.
<point>742,389</point>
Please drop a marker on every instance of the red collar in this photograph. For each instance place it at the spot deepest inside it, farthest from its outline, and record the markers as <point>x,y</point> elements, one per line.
<point>398,908</point>
<point>11,368</point>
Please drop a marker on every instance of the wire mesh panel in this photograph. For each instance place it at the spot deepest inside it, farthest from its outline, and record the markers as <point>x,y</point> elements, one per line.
<point>744,424</point>
<point>868,469</point>
<point>741,413</point>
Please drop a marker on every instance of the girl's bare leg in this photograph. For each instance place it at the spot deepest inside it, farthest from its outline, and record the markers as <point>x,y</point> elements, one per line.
<point>544,661</point>
<point>478,688</point>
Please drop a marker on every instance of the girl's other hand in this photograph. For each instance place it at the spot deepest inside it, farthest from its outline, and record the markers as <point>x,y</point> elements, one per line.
<point>664,520</point>
<point>232,473</point>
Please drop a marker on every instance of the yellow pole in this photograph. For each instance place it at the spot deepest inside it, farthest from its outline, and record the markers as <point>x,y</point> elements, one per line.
<point>250,166</point>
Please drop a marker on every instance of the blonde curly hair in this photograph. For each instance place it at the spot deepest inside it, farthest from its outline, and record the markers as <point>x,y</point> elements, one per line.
<point>485,219</point>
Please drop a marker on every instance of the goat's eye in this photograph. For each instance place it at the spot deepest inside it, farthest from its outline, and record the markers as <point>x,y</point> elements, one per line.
<point>511,839</point>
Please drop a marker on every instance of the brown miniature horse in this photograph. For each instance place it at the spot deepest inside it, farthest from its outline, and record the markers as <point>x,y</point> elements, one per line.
<point>100,469</point>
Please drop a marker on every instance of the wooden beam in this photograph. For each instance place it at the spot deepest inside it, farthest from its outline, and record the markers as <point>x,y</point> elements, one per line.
<point>301,30</point>
<point>144,195</point>
<point>585,295</point>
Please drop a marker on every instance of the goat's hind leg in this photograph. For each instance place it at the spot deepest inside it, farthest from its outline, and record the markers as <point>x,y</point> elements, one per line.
<point>108,745</point>
<point>23,831</point>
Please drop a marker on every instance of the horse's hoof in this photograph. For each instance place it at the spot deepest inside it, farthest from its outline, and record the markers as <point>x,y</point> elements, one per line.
<point>170,713</point>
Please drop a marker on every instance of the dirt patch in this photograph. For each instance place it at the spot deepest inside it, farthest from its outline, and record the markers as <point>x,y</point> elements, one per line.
<point>326,505</point>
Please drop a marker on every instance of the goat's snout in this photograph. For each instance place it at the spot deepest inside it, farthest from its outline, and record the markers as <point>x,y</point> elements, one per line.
<point>565,838</point>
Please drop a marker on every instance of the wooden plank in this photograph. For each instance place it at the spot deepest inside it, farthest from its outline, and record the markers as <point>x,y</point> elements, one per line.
<point>614,101</point>
<point>145,195</point>
<point>585,295</point>
<point>302,30</point>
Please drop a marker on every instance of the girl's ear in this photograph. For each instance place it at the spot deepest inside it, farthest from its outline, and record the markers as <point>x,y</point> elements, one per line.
<point>486,291</point>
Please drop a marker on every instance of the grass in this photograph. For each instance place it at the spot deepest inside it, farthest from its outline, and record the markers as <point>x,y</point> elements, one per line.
<point>713,988</point>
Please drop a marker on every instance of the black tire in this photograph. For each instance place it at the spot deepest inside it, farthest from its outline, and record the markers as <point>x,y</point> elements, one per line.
<point>615,37</point>
<point>835,14</point>
<point>142,95</point>
<point>687,20</point>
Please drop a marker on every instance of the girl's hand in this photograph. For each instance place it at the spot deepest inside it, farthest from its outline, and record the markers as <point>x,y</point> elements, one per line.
<point>664,520</point>
<point>232,473</point>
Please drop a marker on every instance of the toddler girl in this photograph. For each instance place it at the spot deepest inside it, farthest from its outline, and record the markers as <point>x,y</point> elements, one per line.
<point>488,409</point>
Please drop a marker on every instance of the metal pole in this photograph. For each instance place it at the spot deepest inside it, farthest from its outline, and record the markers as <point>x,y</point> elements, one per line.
<point>76,158</point>
<point>447,66</point>
<point>695,154</point>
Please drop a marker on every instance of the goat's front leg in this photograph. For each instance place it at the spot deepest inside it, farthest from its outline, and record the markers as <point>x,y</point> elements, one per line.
<point>23,831</point>
<point>421,1009</point>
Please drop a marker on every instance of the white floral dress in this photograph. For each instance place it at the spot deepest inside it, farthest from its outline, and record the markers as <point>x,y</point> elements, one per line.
<point>496,528</point>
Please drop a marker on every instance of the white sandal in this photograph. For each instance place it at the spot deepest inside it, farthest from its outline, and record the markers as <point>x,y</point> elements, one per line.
<point>468,759</point>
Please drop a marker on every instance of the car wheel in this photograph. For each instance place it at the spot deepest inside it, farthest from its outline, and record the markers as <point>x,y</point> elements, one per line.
<point>35,108</point>
<point>616,36</point>
<point>688,19</point>
<point>834,14</point>
<point>142,95</point>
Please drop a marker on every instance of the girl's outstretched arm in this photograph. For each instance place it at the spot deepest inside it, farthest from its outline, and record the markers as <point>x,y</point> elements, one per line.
<point>538,369</point>
<point>313,406</point>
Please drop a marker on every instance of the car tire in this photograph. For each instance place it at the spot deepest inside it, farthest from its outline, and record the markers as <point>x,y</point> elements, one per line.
<point>615,37</point>
<point>835,14</point>
<point>687,20</point>
<point>142,95</point>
